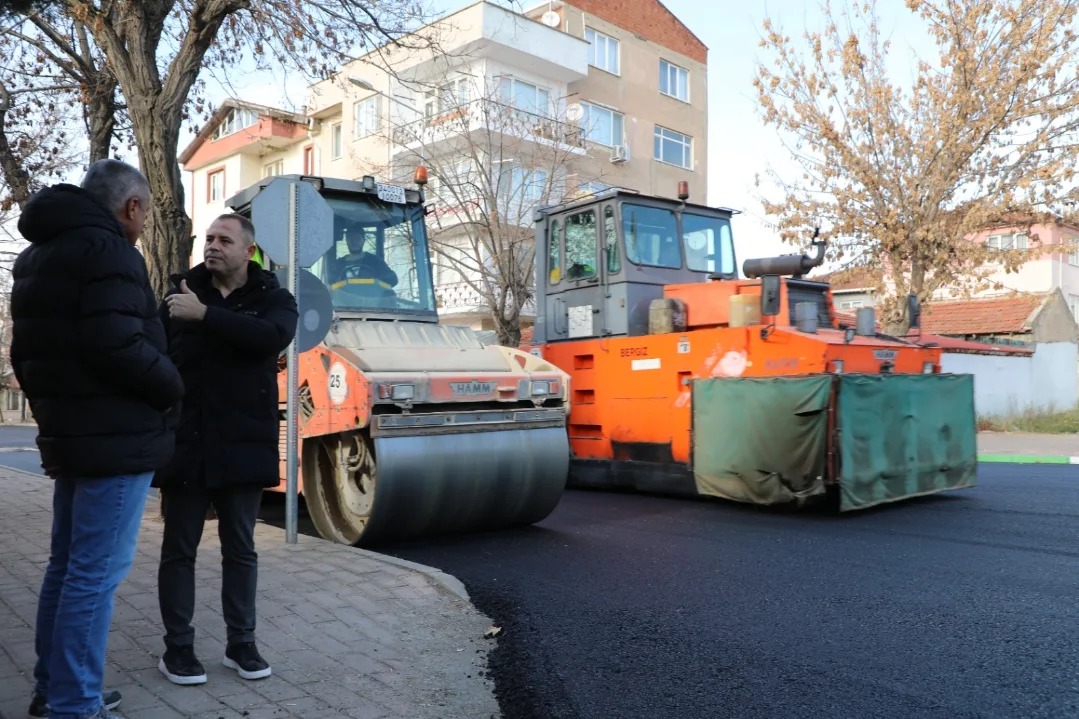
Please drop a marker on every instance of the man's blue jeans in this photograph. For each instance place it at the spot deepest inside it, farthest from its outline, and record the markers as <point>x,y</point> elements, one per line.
<point>95,529</point>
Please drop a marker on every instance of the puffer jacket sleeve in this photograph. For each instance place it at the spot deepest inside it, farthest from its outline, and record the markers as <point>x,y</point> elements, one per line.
<point>115,308</point>
<point>269,334</point>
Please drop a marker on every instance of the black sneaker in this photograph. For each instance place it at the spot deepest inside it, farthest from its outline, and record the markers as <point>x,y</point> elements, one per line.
<point>247,661</point>
<point>180,666</point>
<point>110,698</point>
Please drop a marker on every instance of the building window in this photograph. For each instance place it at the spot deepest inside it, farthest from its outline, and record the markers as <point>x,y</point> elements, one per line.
<point>336,145</point>
<point>1073,256</point>
<point>446,98</point>
<point>309,160</point>
<point>215,186</point>
<point>674,81</point>
<point>601,125</point>
<point>237,119</point>
<point>520,190</point>
<point>365,116</point>
<point>1007,243</point>
<point>274,168</point>
<point>674,148</point>
<point>851,304</point>
<point>604,51</point>
<point>525,96</point>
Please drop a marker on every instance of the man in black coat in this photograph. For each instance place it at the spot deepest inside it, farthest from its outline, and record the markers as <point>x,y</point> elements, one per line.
<point>228,321</point>
<point>89,350</point>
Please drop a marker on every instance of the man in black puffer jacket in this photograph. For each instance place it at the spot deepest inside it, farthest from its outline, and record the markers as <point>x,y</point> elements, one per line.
<point>89,350</point>
<point>228,321</point>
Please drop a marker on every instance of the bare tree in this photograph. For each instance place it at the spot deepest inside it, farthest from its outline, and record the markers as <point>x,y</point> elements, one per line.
<point>156,49</point>
<point>492,159</point>
<point>900,176</point>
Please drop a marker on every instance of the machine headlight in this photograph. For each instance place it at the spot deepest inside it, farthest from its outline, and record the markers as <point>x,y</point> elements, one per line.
<point>928,368</point>
<point>397,392</point>
<point>541,388</point>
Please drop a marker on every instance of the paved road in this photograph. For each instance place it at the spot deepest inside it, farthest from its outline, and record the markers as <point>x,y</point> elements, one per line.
<point>18,448</point>
<point>630,606</point>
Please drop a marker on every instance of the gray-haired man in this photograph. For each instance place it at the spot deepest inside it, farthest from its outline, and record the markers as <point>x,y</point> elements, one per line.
<point>89,350</point>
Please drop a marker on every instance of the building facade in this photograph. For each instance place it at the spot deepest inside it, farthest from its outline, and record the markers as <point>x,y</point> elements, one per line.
<point>507,111</point>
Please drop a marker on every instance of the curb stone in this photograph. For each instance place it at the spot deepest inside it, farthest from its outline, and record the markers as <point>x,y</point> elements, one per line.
<point>1029,458</point>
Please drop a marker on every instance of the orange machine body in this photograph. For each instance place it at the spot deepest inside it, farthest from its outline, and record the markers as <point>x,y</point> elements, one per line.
<point>631,396</point>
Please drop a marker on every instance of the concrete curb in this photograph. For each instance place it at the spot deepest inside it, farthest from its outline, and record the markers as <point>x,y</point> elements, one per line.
<point>450,583</point>
<point>1029,458</point>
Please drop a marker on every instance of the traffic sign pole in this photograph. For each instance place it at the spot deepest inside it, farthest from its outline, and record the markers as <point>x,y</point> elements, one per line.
<point>291,425</point>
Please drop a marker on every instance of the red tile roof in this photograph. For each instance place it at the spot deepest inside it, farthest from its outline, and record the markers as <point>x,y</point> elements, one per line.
<point>1001,315</point>
<point>948,344</point>
<point>850,278</point>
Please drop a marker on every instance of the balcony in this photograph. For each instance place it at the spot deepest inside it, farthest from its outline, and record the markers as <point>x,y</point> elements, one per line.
<point>489,122</point>
<point>459,298</point>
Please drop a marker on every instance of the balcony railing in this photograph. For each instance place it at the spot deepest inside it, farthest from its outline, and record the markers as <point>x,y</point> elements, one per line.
<point>492,116</point>
<point>461,297</point>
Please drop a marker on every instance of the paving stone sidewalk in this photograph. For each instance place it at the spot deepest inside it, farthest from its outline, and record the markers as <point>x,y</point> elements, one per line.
<point>349,633</point>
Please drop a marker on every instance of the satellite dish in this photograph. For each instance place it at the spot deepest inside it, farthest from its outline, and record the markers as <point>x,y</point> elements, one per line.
<point>315,305</point>
<point>574,112</point>
<point>551,19</point>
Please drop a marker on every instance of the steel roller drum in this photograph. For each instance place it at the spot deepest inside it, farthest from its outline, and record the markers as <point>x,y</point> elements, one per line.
<point>440,483</point>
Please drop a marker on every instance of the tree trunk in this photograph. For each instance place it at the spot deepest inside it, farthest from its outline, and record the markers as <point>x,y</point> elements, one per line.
<point>101,119</point>
<point>15,175</point>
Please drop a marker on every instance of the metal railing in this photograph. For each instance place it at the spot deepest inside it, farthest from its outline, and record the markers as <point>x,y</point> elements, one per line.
<point>493,116</point>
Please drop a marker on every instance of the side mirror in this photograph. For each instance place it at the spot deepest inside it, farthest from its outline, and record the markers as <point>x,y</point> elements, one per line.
<point>770,285</point>
<point>914,311</point>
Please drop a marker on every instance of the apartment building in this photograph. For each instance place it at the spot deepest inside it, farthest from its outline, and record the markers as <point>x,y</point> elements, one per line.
<point>507,111</point>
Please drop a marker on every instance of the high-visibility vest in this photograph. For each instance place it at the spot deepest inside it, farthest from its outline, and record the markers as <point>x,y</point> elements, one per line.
<point>260,258</point>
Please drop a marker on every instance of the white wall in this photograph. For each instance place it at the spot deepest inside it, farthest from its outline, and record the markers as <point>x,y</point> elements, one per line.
<point>1010,385</point>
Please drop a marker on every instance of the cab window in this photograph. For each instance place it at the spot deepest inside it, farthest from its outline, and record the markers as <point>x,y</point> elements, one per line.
<point>610,238</point>
<point>554,254</point>
<point>581,245</point>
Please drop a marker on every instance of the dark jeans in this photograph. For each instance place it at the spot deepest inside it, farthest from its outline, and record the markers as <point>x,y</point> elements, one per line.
<point>185,516</point>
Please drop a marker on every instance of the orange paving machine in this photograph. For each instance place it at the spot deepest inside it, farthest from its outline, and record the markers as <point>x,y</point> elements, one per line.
<point>686,379</point>
<point>408,427</point>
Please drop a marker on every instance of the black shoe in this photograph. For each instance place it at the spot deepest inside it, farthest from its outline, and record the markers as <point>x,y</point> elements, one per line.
<point>247,661</point>
<point>40,708</point>
<point>180,666</point>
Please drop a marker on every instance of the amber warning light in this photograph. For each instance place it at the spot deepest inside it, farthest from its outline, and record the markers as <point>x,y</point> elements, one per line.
<point>420,178</point>
<point>683,190</point>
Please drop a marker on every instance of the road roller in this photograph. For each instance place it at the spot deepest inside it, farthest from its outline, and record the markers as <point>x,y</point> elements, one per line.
<point>409,427</point>
<point>689,380</point>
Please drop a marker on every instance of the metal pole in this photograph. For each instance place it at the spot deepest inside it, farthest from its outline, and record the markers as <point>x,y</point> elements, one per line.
<point>291,425</point>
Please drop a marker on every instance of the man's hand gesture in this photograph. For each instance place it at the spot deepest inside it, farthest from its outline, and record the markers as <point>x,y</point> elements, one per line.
<point>185,305</point>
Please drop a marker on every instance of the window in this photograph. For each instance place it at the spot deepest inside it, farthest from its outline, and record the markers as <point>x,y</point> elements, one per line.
<point>237,119</point>
<point>674,81</point>
<point>525,96</point>
<point>581,241</point>
<point>651,236</point>
<point>215,186</point>
<point>1006,243</point>
<point>520,190</point>
<point>604,51</point>
<point>445,98</point>
<point>365,117</point>
<point>337,148</point>
<point>673,148</point>
<point>709,244</point>
<point>277,167</point>
<point>851,304</point>
<point>1073,256</point>
<point>601,125</point>
<point>610,241</point>
<point>554,254</point>
<point>309,160</point>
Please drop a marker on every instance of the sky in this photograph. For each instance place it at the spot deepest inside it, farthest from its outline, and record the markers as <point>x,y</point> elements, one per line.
<point>740,146</point>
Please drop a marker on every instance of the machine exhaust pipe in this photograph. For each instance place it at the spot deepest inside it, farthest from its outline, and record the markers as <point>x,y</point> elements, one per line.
<point>796,265</point>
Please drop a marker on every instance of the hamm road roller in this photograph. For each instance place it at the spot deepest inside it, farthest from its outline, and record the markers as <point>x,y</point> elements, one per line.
<point>409,427</point>
<point>686,379</point>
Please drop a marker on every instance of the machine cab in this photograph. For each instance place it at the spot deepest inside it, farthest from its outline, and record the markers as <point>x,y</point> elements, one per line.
<point>601,261</point>
<point>378,265</point>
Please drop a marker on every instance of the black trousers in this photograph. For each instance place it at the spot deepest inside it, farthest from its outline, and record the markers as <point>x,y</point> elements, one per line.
<point>185,511</point>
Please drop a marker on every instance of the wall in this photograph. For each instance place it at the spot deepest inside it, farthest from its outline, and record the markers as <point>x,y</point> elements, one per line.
<point>1011,385</point>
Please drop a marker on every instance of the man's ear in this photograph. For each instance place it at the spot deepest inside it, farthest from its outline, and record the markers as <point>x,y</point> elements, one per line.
<point>130,207</point>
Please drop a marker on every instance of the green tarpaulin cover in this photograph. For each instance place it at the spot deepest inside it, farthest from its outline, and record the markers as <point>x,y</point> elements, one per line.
<point>760,440</point>
<point>904,436</point>
<point>765,440</point>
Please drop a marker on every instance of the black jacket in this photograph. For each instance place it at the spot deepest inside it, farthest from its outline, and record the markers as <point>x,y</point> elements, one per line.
<point>87,346</point>
<point>228,432</point>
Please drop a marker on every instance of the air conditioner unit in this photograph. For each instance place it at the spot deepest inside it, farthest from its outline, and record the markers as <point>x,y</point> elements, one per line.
<point>619,154</point>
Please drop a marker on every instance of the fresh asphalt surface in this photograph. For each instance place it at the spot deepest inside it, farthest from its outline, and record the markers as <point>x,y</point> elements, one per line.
<point>628,606</point>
